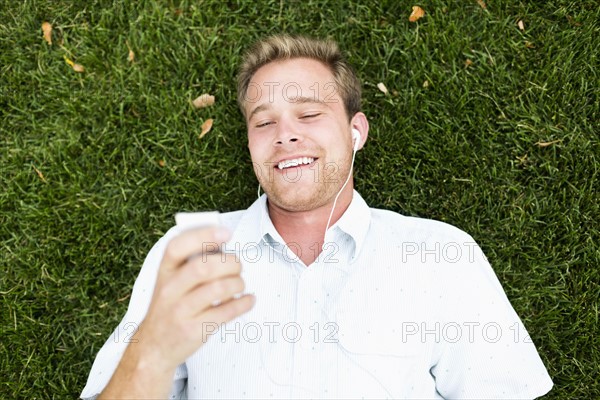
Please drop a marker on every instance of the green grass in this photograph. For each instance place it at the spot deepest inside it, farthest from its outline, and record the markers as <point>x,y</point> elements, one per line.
<point>463,150</point>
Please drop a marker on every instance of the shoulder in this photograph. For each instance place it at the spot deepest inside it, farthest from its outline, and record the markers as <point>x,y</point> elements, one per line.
<point>417,228</point>
<point>427,245</point>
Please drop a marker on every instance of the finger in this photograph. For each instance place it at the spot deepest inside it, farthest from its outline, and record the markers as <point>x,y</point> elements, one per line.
<point>209,294</point>
<point>193,242</point>
<point>204,268</point>
<point>225,312</point>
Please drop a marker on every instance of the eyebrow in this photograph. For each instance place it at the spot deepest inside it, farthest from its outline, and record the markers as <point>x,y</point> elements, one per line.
<point>295,100</point>
<point>258,109</point>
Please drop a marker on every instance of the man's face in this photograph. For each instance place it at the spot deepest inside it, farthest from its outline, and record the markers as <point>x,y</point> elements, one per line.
<point>299,135</point>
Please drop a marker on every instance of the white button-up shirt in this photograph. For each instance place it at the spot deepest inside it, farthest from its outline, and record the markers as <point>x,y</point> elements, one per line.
<point>393,307</point>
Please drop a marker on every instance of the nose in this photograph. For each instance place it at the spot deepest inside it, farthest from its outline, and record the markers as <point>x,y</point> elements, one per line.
<point>281,140</point>
<point>287,133</point>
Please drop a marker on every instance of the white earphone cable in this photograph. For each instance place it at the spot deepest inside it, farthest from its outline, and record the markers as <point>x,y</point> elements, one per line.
<point>355,149</point>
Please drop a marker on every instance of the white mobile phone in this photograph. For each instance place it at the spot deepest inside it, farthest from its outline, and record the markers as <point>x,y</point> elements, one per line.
<point>189,220</point>
<point>194,220</point>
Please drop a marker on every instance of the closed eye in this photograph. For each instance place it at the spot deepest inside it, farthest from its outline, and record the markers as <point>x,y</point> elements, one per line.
<point>310,116</point>
<point>263,124</point>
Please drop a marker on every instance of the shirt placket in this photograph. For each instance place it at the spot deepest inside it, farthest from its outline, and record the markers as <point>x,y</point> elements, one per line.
<point>309,322</point>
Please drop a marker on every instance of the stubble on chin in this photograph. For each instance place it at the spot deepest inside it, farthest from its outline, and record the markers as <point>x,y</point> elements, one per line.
<point>297,200</point>
<point>307,196</point>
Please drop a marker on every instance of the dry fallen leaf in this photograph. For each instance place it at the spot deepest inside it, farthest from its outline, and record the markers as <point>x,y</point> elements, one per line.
<point>468,62</point>
<point>204,100</point>
<point>206,127</point>
<point>131,55</point>
<point>47,29</point>
<point>482,4</point>
<point>417,13</point>
<point>521,25</point>
<point>546,144</point>
<point>382,87</point>
<point>76,67</point>
<point>161,163</point>
<point>39,174</point>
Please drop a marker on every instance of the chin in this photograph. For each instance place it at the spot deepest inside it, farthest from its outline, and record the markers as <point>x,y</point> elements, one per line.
<point>296,200</point>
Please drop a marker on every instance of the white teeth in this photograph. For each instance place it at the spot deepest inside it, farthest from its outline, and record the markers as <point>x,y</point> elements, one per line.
<point>295,162</point>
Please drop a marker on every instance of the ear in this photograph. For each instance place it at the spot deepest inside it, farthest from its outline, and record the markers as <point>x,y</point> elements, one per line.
<point>361,124</point>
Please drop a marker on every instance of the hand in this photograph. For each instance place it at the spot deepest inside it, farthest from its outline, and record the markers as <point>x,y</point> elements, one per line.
<point>192,278</point>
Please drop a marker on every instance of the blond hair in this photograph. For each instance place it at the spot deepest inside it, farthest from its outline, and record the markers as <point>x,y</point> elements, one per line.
<point>286,47</point>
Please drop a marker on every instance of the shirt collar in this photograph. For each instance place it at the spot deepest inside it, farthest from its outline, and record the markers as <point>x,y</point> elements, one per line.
<point>249,227</point>
<point>355,222</point>
<point>256,224</point>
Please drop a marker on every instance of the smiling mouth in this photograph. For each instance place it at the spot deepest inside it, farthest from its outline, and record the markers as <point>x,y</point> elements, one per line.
<point>295,162</point>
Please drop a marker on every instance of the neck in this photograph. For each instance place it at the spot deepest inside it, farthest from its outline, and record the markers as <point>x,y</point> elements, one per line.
<point>307,228</point>
<point>285,220</point>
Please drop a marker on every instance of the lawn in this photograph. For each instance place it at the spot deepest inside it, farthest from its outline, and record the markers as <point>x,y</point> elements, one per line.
<point>490,123</point>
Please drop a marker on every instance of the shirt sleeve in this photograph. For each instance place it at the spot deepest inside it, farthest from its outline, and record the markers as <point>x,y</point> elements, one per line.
<point>111,352</point>
<point>486,352</point>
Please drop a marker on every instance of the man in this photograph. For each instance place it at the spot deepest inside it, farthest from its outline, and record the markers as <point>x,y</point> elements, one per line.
<point>346,301</point>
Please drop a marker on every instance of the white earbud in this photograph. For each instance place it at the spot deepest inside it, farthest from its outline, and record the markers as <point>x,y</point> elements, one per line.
<point>356,138</point>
